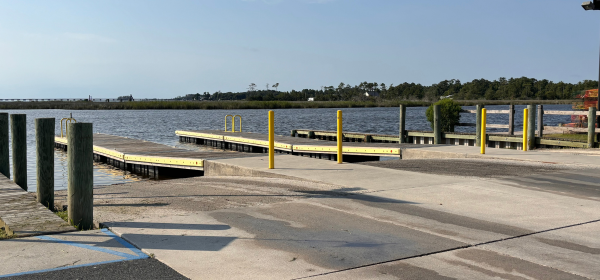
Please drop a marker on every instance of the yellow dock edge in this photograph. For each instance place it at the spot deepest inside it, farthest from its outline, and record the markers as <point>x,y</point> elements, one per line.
<point>198,134</point>
<point>142,158</point>
<point>353,150</point>
<point>258,142</point>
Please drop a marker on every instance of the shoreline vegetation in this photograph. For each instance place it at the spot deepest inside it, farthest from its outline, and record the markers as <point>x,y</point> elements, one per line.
<point>230,105</point>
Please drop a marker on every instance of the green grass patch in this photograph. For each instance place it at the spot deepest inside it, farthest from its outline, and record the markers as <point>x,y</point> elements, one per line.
<point>567,137</point>
<point>63,215</point>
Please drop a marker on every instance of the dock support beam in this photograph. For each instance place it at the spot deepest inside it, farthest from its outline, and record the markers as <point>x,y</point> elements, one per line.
<point>402,128</point>
<point>531,127</point>
<point>4,156</point>
<point>340,137</point>
<point>511,119</point>
<point>591,126</point>
<point>437,130</point>
<point>478,126</point>
<point>18,129</point>
<point>44,143</point>
<point>81,175</point>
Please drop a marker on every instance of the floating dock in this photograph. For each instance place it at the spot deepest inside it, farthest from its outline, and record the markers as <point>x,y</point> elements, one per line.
<point>148,158</point>
<point>258,143</point>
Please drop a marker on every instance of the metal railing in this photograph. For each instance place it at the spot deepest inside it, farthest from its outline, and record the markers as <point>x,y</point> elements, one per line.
<point>233,117</point>
<point>67,121</point>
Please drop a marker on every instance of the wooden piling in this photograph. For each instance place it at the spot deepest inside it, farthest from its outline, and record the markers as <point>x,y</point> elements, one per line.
<point>44,143</point>
<point>437,130</point>
<point>81,175</point>
<point>4,153</point>
<point>531,127</point>
<point>402,128</point>
<point>18,129</point>
<point>540,120</point>
<point>511,119</point>
<point>591,126</point>
<point>478,126</point>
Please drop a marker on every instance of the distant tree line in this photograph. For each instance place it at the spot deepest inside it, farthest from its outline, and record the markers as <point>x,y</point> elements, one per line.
<point>502,89</point>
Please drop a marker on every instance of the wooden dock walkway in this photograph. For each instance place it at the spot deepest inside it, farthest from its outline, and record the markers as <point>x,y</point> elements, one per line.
<point>146,157</point>
<point>258,143</point>
<point>21,215</point>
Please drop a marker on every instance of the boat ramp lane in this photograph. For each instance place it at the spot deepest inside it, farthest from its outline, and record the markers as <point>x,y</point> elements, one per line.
<point>258,143</point>
<point>148,158</point>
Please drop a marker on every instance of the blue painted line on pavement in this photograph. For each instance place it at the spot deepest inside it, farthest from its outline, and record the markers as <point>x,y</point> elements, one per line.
<point>124,243</point>
<point>85,246</point>
<point>127,257</point>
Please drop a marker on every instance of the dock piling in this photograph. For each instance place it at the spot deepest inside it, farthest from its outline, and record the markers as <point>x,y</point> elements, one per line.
<point>525,118</point>
<point>18,129</point>
<point>540,120</point>
<point>80,175</point>
<point>271,140</point>
<point>511,119</point>
<point>531,127</point>
<point>591,126</point>
<point>4,153</point>
<point>437,130</point>
<point>339,136</point>
<point>44,139</point>
<point>402,128</point>
<point>478,126</point>
<point>483,128</point>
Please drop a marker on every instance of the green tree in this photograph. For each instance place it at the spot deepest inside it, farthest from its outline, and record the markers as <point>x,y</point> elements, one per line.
<point>449,114</point>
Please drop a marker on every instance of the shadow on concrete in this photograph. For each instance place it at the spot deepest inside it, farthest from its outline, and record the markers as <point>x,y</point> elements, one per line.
<point>132,204</point>
<point>167,226</point>
<point>178,242</point>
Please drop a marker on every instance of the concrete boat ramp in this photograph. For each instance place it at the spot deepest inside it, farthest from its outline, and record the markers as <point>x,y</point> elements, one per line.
<point>447,213</point>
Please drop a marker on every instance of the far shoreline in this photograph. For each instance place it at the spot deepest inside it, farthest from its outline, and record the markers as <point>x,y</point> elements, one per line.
<point>242,104</point>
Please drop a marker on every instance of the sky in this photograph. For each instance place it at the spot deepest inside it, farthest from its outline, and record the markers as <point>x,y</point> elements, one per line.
<point>163,49</point>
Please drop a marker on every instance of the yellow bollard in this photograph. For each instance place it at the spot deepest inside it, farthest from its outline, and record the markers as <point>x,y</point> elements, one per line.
<point>483,128</point>
<point>271,140</point>
<point>340,137</point>
<point>525,117</point>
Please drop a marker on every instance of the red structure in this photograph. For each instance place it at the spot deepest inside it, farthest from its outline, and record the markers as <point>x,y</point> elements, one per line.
<point>589,98</point>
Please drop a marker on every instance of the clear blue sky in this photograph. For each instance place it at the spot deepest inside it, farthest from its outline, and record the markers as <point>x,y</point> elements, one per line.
<point>53,49</point>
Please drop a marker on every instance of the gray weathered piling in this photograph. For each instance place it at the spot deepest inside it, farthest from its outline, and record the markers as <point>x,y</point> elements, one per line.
<point>531,127</point>
<point>540,120</point>
<point>81,175</point>
<point>18,129</point>
<point>4,154</point>
<point>402,128</point>
<point>44,144</point>
<point>591,126</point>
<point>437,129</point>
<point>478,126</point>
<point>511,119</point>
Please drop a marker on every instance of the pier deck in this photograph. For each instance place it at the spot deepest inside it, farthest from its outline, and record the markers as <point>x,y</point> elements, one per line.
<point>286,144</point>
<point>21,215</point>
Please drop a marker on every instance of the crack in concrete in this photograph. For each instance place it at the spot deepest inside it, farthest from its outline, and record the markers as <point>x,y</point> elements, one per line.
<point>452,249</point>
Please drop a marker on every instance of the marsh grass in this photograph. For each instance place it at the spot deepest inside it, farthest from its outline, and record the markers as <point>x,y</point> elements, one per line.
<point>63,215</point>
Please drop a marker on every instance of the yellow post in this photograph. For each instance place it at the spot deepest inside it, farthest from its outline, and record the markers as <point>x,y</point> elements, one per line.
<point>340,137</point>
<point>271,140</point>
<point>525,119</point>
<point>483,127</point>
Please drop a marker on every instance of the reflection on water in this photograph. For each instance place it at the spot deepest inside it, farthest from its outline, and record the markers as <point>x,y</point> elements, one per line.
<point>103,174</point>
<point>159,126</point>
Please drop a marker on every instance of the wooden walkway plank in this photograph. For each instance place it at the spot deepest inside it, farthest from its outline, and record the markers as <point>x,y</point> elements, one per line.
<point>21,215</point>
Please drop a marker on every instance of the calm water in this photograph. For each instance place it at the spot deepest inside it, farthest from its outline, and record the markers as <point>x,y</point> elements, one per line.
<point>159,126</point>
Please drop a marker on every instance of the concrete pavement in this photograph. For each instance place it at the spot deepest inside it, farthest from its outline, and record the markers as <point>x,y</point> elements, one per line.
<point>354,221</point>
